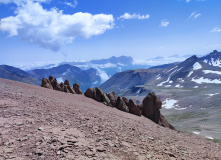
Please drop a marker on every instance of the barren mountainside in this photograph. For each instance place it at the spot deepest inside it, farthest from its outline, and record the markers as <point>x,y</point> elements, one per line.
<point>38,123</point>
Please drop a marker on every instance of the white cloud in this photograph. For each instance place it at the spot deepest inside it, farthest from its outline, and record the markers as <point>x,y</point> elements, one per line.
<point>73,5</point>
<point>187,1</point>
<point>216,29</point>
<point>103,75</point>
<point>194,15</point>
<point>134,16</point>
<point>19,2</point>
<point>164,23</point>
<point>51,28</point>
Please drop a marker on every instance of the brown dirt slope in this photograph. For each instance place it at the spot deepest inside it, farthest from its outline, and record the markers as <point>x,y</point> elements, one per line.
<point>38,123</point>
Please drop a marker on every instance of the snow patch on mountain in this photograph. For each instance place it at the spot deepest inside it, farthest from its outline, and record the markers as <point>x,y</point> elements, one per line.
<point>210,71</point>
<point>169,103</point>
<point>197,66</point>
<point>212,94</point>
<point>191,72</point>
<point>206,80</point>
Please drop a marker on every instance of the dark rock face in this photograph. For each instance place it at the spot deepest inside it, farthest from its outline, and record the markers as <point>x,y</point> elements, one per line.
<point>46,83</point>
<point>126,101</point>
<point>121,105</point>
<point>151,103</point>
<point>77,89</point>
<point>151,110</point>
<point>113,98</point>
<point>98,95</point>
<point>90,93</point>
<point>133,108</point>
<point>71,90</point>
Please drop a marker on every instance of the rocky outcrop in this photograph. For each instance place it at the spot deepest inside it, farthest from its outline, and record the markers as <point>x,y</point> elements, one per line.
<point>98,95</point>
<point>113,98</point>
<point>151,109</point>
<point>52,83</point>
<point>77,89</point>
<point>126,101</point>
<point>46,83</point>
<point>121,105</point>
<point>150,106</point>
<point>133,108</point>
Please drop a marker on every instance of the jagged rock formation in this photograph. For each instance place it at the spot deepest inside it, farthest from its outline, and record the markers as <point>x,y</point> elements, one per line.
<point>113,98</point>
<point>151,110</point>
<point>98,95</point>
<point>133,108</point>
<point>121,105</point>
<point>77,89</point>
<point>52,83</point>
<point>150,106</point>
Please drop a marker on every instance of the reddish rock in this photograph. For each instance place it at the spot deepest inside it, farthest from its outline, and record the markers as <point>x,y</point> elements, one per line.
<point>126,101</point>
<point>151,103</point>
<point>133,108</point>
<point>46,83</point>
<point>151,110</point>
<point>90,93</point>
<point>66,83</point>
<point>71,90</point>
<point>98,95</point>
<point>77,89</point>
<point>56,85</point>
<point>113,98</point>
<point>121,105</point>
<point>51,78</point>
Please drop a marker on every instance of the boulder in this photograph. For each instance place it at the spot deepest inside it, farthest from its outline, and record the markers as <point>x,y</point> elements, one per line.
<point>66,82</point>
<point>133,108</point>
<point>151,103</point>
<point>151,109</point>
<point>62,86</point>
<point>113,98</point>
<point>90,93</point>
<point>51,78</point>
<point>71,90</point>
<point>66,89</point>
<point>98,95</point>
<point>126,101</point>
<point>77,89</point>
<point>55,85</point>
<point>121,105</point>
<point>46,83</point>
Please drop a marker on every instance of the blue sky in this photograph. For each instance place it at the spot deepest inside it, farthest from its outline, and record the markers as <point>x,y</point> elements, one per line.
<point>47,31</point>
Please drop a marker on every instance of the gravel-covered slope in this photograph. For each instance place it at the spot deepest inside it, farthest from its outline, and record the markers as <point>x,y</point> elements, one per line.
<point>38,123</point>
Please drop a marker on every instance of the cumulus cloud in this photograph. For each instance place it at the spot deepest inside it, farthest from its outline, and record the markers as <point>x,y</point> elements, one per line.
<point>134,16</point>
<point>216,29</point>
<point>194,15</point>
<point>164,23</point>
<point>52,28</point>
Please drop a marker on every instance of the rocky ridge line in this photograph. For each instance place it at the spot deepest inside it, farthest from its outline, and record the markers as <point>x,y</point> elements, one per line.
<point>149,108</point>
